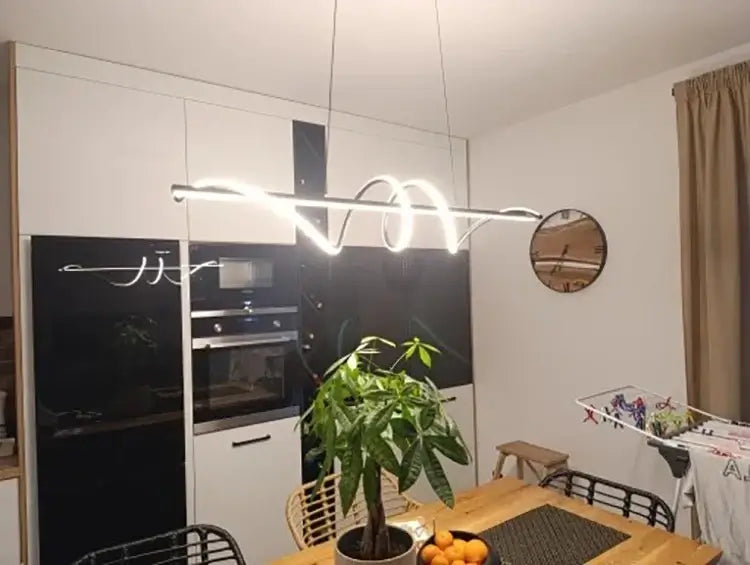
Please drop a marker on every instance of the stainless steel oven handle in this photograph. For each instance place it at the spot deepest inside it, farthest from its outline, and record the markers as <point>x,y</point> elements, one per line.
<point>251,441</point>
<point>243,312</point>
<point>224,341</point>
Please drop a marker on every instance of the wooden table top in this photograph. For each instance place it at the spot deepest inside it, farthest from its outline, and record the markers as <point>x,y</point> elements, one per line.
<point>500,500</point>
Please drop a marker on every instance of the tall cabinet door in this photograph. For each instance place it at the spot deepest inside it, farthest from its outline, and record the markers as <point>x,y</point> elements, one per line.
<point>98,160</point>
<point>223,143</point>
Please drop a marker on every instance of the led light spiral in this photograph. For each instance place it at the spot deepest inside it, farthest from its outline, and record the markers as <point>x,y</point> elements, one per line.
<point>398,203</point>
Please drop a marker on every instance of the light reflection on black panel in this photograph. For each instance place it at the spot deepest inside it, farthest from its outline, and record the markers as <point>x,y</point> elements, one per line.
<point>108,380</point>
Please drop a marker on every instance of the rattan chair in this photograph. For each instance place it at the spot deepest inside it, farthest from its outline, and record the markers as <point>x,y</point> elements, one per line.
<point>629,501</point>
<point>316,519</point>
<point>202,544</point>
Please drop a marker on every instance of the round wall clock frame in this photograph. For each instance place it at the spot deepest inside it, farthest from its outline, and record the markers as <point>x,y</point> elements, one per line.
<point>568,250</point>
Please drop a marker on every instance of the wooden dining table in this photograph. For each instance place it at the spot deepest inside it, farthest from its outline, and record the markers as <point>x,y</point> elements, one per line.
<point>496,502</point>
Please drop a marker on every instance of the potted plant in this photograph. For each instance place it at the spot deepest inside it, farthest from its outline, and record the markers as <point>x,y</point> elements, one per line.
<point>375,418</point>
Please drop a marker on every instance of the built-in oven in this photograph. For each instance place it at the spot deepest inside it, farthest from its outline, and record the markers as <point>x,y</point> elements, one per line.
<point>245,335</point>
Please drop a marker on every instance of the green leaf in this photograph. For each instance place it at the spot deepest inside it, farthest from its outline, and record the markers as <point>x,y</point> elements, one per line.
<point>352,361</point>
<point>410,351</point>
<point>371,338</point>
<point>379,449</point>
<point>436,477</point>
<point>314,453</point>
<point>411,465</point>
<point>427,417</point>
<point>424,356</point>
<point>371,481</point>
<point>351,473</point>
<point>430,347</point>
<point>381,419</point>
<point>449,447</point>
<point>403,428</point>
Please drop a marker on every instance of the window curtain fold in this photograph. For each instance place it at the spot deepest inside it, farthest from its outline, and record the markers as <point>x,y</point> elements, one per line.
<point>713,127</point>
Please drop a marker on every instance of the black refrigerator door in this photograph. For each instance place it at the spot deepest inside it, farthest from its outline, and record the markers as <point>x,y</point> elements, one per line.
<point>108,380</point>
<point>438,311</point>
<point>417,293</point>
<point>367,298</point>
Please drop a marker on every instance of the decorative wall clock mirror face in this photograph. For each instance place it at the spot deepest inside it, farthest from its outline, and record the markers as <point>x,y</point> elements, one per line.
<point>568,250</point>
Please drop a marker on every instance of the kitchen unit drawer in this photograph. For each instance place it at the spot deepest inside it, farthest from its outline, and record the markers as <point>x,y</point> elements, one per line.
<point>98,160</point>
<point>10,537</point>
<point>460,406</point>
<point>252,148</point>
<point>243,477</point>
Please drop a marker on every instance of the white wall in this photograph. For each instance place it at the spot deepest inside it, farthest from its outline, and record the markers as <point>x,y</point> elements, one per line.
<point>6,301</point>
<point>614,156</point>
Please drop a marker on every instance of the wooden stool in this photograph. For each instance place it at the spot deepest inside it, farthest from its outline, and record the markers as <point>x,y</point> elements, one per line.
<point>529,453</point>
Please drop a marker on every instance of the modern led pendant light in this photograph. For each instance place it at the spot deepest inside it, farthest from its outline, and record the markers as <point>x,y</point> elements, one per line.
<point>399,202</point>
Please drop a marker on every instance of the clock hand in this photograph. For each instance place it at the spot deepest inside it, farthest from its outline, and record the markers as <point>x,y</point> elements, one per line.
<point>559,261</point>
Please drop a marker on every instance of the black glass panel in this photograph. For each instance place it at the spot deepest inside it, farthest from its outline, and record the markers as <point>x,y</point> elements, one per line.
<point>108,380</point>
<point>438,311</point>
<point>419,292</point>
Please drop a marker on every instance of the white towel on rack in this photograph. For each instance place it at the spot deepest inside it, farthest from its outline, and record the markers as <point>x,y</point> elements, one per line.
<point>719,488</point>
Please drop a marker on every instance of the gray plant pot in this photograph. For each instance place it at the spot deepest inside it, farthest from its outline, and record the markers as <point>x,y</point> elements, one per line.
<point>348,538</point>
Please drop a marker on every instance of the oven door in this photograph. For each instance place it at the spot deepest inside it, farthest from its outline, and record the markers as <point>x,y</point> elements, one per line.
<point>231,277</point>
<point>242,379</point>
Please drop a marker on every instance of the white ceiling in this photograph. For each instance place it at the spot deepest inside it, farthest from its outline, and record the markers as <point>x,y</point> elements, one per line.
<point>505,59</point>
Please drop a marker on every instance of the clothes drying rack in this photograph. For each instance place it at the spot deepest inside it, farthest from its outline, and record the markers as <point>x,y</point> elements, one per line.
<point>672,427</point>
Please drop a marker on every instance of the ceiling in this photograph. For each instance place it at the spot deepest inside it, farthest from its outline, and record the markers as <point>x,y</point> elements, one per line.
<point>505,60</point>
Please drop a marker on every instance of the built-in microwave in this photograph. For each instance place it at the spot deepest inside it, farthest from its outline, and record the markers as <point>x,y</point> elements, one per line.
<point>230,277</point>
<point>245,335</point>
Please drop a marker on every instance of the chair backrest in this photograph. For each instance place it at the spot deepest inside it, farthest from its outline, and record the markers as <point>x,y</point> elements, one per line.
<point>316,518</point>
<point>628,500</point>
<point>203,544</point>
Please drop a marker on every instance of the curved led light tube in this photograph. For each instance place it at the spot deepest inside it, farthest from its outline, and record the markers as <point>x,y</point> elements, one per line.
<point>398,202</point>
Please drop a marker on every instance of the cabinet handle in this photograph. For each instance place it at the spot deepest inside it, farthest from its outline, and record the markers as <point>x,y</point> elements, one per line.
<point>449,399</point>
<point>253,440</point>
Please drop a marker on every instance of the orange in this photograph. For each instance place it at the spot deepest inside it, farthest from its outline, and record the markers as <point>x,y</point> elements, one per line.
<point>454,553</point>
<point>475,551</point>
<point>459,543</point>
<point>439,559</point>
<point>429,552</point>
<point>459,562</point>
<point>443,538</point>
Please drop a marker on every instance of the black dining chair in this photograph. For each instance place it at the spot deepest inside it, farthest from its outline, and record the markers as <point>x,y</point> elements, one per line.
<point>628,500</point>
<point>202,544</point>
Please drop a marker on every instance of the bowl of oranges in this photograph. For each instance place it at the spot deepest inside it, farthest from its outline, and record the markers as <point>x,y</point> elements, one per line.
<point>454,547</point>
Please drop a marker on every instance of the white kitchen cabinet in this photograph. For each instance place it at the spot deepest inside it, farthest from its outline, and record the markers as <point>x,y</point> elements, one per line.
<point>357,157</point>
<point>460,406</point>
<point>98,160</point>
<point>256,149</point>
<point>242,485</point>
<point>10,535</point>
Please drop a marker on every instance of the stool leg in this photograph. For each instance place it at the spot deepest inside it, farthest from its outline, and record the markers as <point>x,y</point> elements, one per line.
<point>498,473</point>
<point>534,470</point>
<point>519,468</point>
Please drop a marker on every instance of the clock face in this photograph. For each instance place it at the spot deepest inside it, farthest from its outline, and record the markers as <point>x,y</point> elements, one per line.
<point>568,250</point>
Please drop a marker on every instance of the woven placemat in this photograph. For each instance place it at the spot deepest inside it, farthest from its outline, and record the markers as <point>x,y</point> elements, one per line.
<point>551,536</point>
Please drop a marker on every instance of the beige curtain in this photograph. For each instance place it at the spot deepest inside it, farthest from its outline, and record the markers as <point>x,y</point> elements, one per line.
<point>713,123</point>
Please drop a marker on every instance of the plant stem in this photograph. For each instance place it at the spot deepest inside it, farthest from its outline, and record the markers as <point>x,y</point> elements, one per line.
<point>375,538</point>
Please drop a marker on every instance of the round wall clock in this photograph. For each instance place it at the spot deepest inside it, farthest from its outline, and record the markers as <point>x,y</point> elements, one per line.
<point>568,250</point>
